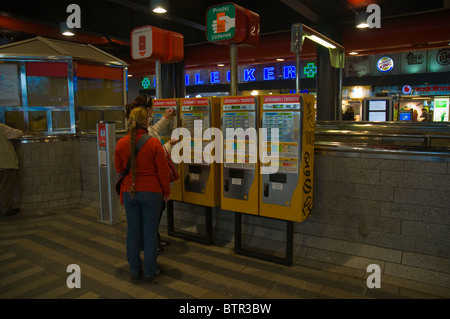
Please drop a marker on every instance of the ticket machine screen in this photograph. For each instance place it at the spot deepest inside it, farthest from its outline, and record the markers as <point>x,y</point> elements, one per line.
<point>278,187</point>
<point>196,118</point>
<point>239,126</point>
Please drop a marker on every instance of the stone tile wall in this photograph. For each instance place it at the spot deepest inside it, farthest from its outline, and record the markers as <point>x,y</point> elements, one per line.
<point>391,212</point>
<point>49,175</point>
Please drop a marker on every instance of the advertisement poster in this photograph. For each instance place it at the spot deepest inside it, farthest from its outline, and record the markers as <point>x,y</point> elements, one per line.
<point>441,109</point>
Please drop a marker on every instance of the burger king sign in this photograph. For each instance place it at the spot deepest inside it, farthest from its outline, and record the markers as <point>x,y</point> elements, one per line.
<point>385,64</point>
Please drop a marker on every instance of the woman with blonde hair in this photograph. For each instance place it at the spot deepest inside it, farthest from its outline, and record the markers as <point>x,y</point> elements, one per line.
<point>143,190</point>
<point>154,130</point>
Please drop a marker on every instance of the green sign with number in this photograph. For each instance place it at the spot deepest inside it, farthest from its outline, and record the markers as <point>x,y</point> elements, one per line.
<point>221,23</point>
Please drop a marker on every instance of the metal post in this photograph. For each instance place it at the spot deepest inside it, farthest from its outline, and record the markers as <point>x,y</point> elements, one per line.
<point>233,69</point>
<point>158,79</point>
<point>341,64</point>
<point>296,47</point>
<point>106,144</point>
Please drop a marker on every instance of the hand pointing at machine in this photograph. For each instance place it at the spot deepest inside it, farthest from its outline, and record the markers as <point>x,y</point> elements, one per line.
<point>169,113</point>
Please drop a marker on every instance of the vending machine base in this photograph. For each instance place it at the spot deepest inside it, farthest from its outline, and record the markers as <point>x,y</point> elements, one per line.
<point>238,248</point>
<point>207,239</point>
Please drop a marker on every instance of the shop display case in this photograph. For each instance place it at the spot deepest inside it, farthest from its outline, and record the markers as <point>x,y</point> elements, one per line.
<point>52,87</point>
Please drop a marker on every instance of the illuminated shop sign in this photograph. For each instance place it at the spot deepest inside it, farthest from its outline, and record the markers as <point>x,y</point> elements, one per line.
<point>310,70</point>
<point>249,74</point>
<point>407,89</point>
<point>428,89</point>
<point>385,64</point>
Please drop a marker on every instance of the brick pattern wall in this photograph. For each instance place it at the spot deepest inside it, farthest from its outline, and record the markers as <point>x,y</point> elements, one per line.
<point>391,212</point>
<point>49,175</point>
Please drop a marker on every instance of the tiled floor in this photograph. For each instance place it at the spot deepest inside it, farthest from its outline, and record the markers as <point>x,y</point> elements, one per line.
<point>35,253</point>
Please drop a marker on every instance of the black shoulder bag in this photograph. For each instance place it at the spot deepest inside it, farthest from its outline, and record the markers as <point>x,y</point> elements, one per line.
<point>144,138</point>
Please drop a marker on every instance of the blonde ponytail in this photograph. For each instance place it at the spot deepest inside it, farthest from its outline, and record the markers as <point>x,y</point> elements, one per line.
<point>138,119</point>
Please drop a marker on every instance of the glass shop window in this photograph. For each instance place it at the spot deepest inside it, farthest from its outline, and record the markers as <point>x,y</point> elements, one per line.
<point>10,91</point>
<point>38,121</point>
<point>61,120</point>
<point>99,85</point>
<point>47,84</point>
<point>15,119</point>
<point>99,92</point>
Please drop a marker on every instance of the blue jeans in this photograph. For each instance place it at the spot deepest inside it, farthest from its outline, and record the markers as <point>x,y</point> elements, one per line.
<point>142,217</point>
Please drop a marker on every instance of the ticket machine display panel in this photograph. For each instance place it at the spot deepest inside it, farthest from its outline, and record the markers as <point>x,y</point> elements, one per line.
<point>239,174</point>
<point>160,107</point>
<point>289,155</point>
<point>199,176</point>
<point>278,187</point>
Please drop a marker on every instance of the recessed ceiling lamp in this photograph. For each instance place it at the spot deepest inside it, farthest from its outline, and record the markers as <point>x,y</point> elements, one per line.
<point>361,20</point>
<point>65,30</point>
<point>353,53</point>
<point>159,6</point>
<point>280,60</point>
<point>220,64</point>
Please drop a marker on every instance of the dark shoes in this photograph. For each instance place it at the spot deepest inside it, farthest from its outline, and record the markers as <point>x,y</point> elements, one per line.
<point>11,212</point>
<point>146,279</point>
<point>162,244</point>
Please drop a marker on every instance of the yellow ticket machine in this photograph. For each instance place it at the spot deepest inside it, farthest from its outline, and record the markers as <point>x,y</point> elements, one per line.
<point>239,172</point>
<point>287,168</point>
<point>159,109</point>
<point>200,179</point>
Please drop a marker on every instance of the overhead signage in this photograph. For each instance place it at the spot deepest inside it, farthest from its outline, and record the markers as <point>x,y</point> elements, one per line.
<point>407,89</point>
<point>443,57</point>
<point>229,23</point>
<point>153,43</point>
<point>221,24</point>
<point>310,70</point>
<point>141,42</point>
<point>385,64</point>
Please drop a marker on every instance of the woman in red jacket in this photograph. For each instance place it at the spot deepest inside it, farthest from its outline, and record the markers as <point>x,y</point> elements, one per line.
<point>142,192</point>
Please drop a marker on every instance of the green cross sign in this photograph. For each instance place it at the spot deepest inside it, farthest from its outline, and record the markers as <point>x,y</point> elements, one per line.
<point>310,70</point>
<point>145,83</point>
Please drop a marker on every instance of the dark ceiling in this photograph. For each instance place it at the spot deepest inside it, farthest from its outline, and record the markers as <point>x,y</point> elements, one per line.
<point>115,19</point>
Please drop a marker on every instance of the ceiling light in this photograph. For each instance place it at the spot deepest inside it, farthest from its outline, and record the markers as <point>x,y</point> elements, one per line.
<point>353,53</point>
<point>220,64</point>
<point>159,6</point>
<point>361,20</point>
<point>280,60</point>
<point>65,30</point>
<point>321,41</point>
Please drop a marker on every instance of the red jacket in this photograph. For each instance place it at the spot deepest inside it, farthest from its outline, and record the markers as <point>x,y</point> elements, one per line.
<point>152,170</point>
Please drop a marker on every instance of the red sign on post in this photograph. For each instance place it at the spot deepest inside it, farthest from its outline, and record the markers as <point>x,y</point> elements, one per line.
<point>101,134</point>
<point>151,43</point>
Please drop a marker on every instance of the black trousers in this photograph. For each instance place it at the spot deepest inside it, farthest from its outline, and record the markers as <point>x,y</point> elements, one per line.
<point>8,182</point>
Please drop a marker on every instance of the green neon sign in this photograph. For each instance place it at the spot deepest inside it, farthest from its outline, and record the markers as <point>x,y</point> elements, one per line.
<point>310,70</point>
<point>145,83</point>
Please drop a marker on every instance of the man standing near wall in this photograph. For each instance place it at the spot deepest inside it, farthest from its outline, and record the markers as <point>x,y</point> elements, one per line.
<point>9,165</point>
